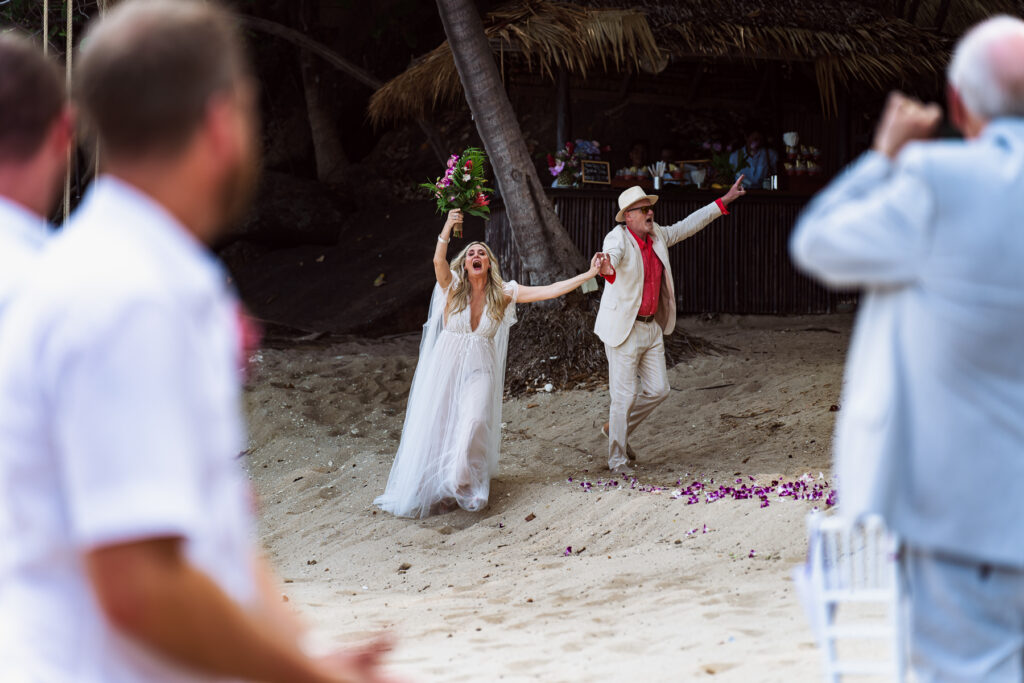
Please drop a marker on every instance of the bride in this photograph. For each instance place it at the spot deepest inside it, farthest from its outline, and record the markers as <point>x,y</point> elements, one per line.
<point>449,446</point>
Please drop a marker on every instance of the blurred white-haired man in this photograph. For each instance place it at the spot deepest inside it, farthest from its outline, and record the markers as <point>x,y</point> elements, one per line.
<point>931,434</point>
<point>35,133</point>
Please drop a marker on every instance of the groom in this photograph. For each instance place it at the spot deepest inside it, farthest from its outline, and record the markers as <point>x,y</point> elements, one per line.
<point>638,307</point>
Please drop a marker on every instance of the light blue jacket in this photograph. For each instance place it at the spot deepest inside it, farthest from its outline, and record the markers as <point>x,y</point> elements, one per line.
<point>931,429</point>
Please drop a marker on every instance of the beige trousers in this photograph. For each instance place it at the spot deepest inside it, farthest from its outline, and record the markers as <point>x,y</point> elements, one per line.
<point>637,384</point>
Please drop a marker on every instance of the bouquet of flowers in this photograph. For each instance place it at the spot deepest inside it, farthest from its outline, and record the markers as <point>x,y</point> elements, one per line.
<point>565,163</point>
<point>463,186</point>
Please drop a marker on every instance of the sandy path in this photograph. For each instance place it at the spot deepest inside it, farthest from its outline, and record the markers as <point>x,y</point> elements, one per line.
<point>491,596</point>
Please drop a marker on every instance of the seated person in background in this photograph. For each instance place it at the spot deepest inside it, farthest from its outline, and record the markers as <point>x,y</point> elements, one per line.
<point>754,162</point>
<point>638,154</point>
<point>669,156</point>
<point>636,162</point>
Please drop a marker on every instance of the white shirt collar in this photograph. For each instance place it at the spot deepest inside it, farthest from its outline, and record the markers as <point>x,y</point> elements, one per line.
<point>126,207</point>
<point>28,227</point>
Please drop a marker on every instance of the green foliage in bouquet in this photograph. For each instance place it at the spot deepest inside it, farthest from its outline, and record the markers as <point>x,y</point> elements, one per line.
<point>463,185</point>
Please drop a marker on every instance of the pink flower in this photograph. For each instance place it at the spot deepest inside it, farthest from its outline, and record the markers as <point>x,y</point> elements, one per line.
<point>481,200</point>
<point>557,168</point>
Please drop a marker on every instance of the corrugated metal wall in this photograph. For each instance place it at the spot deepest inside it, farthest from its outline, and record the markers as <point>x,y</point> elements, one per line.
<point>738,264</point>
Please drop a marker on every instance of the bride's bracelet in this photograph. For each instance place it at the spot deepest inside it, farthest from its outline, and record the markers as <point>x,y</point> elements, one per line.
<point>441,240</point>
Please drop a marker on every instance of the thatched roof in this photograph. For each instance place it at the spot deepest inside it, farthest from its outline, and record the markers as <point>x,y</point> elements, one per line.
<point>953,17</point>
<point>547,35</point>
<point>846,41</point>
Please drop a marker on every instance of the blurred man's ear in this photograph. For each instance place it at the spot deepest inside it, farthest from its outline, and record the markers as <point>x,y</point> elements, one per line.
<point>219,123</point>
<point>62,133</point>
<point>957,111</point>
<point>969,125</point>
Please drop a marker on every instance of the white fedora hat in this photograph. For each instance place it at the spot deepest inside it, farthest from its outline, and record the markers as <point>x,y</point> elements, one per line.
<point>631,197</point>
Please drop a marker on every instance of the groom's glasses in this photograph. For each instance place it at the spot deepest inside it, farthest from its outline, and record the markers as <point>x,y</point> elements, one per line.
<point>642,209</point>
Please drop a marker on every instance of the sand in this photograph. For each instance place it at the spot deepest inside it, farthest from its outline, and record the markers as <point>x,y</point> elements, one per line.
<point>653,588</point>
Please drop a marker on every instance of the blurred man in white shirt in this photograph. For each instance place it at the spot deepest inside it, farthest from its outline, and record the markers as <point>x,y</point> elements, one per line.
<point>126,519</point>
<point>35,132</point>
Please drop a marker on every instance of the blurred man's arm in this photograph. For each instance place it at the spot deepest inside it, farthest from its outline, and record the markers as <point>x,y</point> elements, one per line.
<point>151,592</point>
<point>272,605</point>
<point>870,227</point>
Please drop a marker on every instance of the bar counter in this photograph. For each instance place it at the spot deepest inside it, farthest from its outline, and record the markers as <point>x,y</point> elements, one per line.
<point>737,264</point>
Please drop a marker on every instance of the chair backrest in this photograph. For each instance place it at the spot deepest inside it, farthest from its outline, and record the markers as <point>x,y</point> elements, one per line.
<point>856,558</point>
<point>853,562</point>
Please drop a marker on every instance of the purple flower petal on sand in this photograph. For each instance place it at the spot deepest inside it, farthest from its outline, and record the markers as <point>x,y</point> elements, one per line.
<point>752,554</point>
<point>568,551</point>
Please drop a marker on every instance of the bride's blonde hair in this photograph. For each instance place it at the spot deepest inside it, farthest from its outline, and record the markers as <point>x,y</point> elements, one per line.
<point>458,298</point>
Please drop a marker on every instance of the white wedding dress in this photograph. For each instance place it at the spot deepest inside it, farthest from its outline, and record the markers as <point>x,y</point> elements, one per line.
<point>452,432</point>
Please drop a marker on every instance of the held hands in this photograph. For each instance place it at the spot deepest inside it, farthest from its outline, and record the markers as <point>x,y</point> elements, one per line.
<point>600,264</point>
<point>735,192</point>
<point>905,119</point>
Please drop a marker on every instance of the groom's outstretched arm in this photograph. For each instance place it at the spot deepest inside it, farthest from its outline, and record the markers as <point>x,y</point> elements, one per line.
<point>699,219</point>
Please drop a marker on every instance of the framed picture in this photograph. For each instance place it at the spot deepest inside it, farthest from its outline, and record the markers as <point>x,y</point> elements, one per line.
<point>596,172</point>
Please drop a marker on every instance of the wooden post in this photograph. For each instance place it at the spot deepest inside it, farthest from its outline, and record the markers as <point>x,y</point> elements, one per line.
<point>843,146</point>
<point>564,125</point>
<point>940,17</point>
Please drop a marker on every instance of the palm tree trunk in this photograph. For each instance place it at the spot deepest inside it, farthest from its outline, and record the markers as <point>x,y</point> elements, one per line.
<point>544,246</point>
<point>331,160</point>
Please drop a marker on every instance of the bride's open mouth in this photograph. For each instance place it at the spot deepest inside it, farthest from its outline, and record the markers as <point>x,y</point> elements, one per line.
<point>477,265</point>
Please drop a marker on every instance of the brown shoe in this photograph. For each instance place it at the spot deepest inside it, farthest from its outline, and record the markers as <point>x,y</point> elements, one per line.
<point>629,449</point>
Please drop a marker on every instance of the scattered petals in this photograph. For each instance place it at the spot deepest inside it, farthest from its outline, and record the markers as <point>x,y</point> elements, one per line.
<point>805,487</point>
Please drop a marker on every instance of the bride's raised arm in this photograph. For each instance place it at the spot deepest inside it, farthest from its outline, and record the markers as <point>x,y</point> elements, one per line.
<point>441,269</point>
<point>557,289</point>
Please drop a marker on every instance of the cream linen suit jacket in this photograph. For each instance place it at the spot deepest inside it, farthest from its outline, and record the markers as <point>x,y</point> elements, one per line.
<point>931,431</point>
<point>620,300</point>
